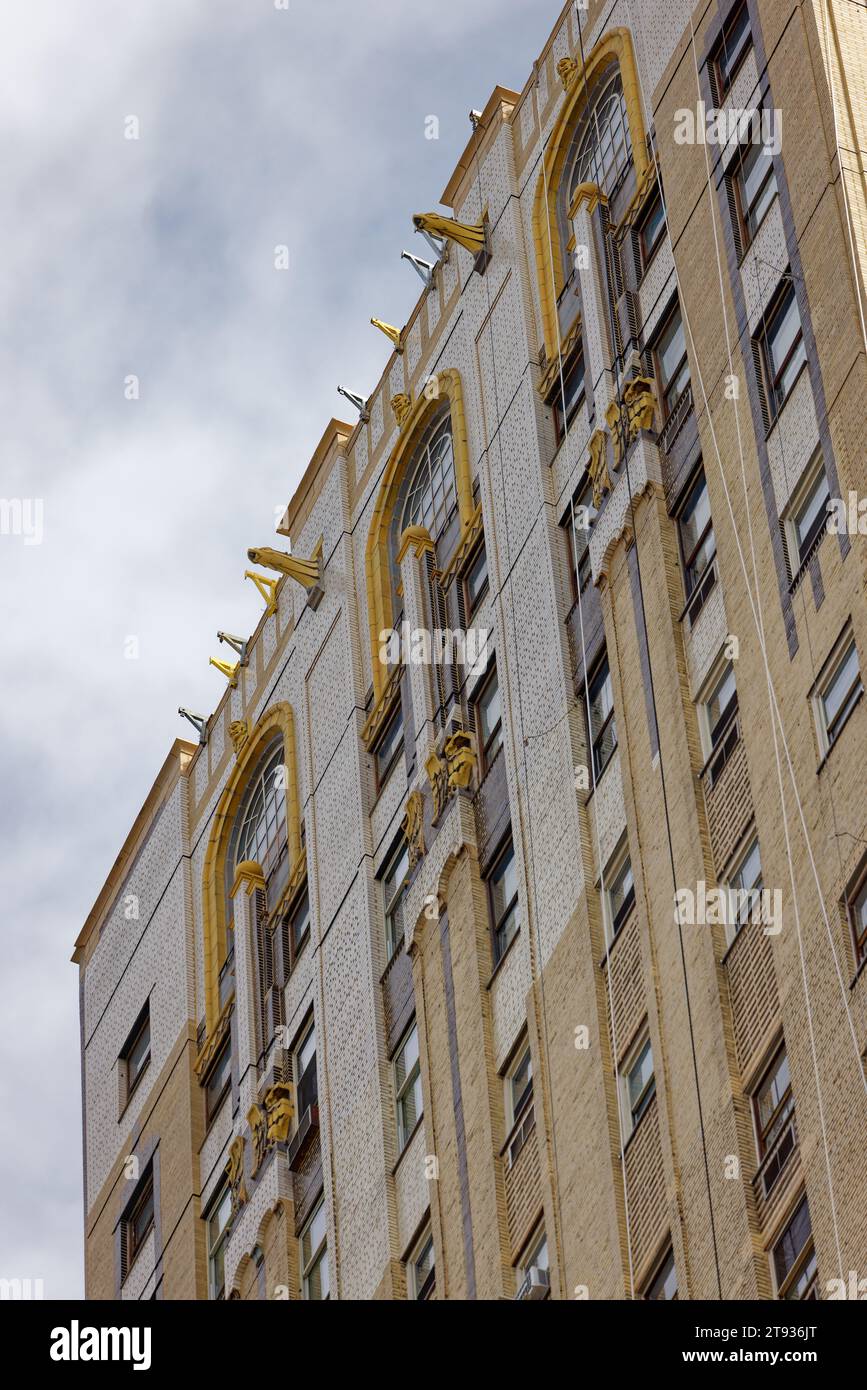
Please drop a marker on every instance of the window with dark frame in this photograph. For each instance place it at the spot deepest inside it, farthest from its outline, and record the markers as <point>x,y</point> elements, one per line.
<point>388,747</point>
<point>503,898</point>
<point>489,719</point>
<point>720,705</point>
<point>578,524</point>
<point>136,1052</point>
<point>671,364</point>
<point>773,1108</point>
<point>139,1221</point>
<point>807,519</point>
<point>794,1258</point>
<point>475,580</point>
<point>421,1269</point>
<point>651,230</point>
<point>755,188</point>
<point>315,1271</point>
<point>519,1083</point>
<point>620,894</point>
<point>697,546</point>
<point>640,1084</point>
<point>394,881</point>
<point>409,1104</point>
<point>783,350</point>
<point>856,912</point>
<point>304,1069</point>
<point>838,692</point>
<point>568,395</point>
<point>744,885</point>
<point>602,734</point>
<point>734,45</point>
<point>663,1285</point>
<point>299,921</point>
<point>217,1235</point>
<point>219,1081</point>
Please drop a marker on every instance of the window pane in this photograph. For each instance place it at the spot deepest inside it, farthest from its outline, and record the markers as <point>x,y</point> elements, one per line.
<point>620,895</point>
<point>504,883</point>
<point>301,918</point>
<point>783,331</point>
<point>721,703</point>
<point>477,578</point>
<point>672,350</point>
<point>736,40</point>
<point>840,689</point>
<point>490,716</point>
<point>640,1075</point>
<point>792,1242</point>
<point>652,229</point>
<point>406,1058</point>
<point>139,1054</point>
<point>521,1084</point>
<point>389,744</point>
<point>664,1285</point>
<point>772,1091</point>
<point>432,497</point>
<point>811,514</point>
<point>606,149</point>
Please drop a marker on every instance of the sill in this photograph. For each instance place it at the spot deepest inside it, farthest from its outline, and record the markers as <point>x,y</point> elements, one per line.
<point>496,970</point>
<point>409,1138</point>
<point>781,407</point>
<point>826,758</point>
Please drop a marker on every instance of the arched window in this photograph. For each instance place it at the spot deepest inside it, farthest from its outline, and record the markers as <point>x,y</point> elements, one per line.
<point>605,151</point>
<point>261,833</point>
<point>431,497</point>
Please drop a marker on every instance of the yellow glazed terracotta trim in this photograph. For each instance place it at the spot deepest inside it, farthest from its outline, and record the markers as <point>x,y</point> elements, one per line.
<point>279,718</point>
<point>615,46</point>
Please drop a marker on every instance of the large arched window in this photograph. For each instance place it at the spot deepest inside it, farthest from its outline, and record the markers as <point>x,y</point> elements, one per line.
<point>605,151</point>
<point>261,834</point>
<point>431,497</point>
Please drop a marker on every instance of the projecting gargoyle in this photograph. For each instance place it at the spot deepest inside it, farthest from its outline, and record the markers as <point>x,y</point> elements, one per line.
<point>306,572</point>
<point>472,235</point>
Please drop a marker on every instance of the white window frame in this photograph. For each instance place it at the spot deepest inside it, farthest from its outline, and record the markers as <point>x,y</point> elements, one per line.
<point>317,1255</point>
<point>521,1053</point>
<point>708,689</point>
<point>401,1089</point>
<point>413,1286</point>
<point>832,668</point>
<point>636,1052</point>
<point>529,1257</point>
<point>613,869</point>
<point>813,473</point>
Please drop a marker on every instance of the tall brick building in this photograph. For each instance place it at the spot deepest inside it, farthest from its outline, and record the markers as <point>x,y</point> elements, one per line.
<point>539,971</point>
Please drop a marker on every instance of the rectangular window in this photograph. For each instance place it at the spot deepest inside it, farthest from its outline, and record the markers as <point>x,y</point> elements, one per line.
<point>305,1073</point>
<point>489,719</point>
<point>806,518</point>
<point>568,395</point>
<point>783,350</point>
<point>139,1222</point>
<point>697,546</point>
<point>650,230</point>
<point>856,912</point>
<point>663,1285</point>
<point>734,46</point>
<point>533,1270</point>
<point>619,893</point>
<point>504,904</point>
<point>578,524</point>
<point>421,1270</point>
<point>719,707</point>
<point>217,1236</point>
<point>794,1258</point>
<point>744,885</point>
<point>136,1052</point>
<point>639,1085</point>
<point>837,693</point>
<point>602,734</point>
<point>219,1081</point>
<point>755,185</point>
<point>671,362</point>
<point>315,1274</point>
<point>773,1109</point>
<point>519,1084</point>
<point>394,882</point>
<point>476,580</point>
<point>407,1087</point>
<point>300,920</point>
<point>388,748</point>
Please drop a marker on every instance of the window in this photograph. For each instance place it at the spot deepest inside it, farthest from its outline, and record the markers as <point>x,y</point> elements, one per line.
<point>773,1108</point>
<point>639,1085</point>
<point>315,1274</point>
<point>755,186</point>
<point>407,1087</point>
<point>619,893</point>
<point>219,1081</point>
<point>489,719</point>
<point>476,580</point>
<point>217,1236</point>
<point>579,524</point>
<point>663,1285</point>
<point>744,885</point>
<point>138,1223</point>
<point>794,1258</point>
<point>719,707</point>
<point>421,1272</point>
<point>671,362</point>
<point>532,1269</point>
<point>305,1073</point>
<point>734,45</point>
<point>519,1084</point>
<point>136,1052</point>
<point>837,693</point>
<point>394,883</point>
<point>432,498</point>
<point>299,921</point>
<point>602,734</point>
<point>568,395</point>
<point>856,911</point>
<point>650,230</point>
<point>262,834</point>
<point>697,546</point>
<point>806,518</point>
<point>605,152</point>
<point>503,895</point>
<point>783,351</point>
<point>388,748</point>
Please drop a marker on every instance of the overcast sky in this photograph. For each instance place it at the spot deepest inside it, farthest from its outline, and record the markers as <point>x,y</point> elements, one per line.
<point>155,258</point>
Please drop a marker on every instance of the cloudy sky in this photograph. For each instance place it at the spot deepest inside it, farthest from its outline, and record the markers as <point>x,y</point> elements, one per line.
<point>154,257</point>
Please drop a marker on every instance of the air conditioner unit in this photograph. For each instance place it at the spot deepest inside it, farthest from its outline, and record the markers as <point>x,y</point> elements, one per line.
<point>536,1285</point>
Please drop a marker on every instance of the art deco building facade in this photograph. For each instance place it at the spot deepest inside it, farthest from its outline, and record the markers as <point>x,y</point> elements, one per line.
<point>538,972</point>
